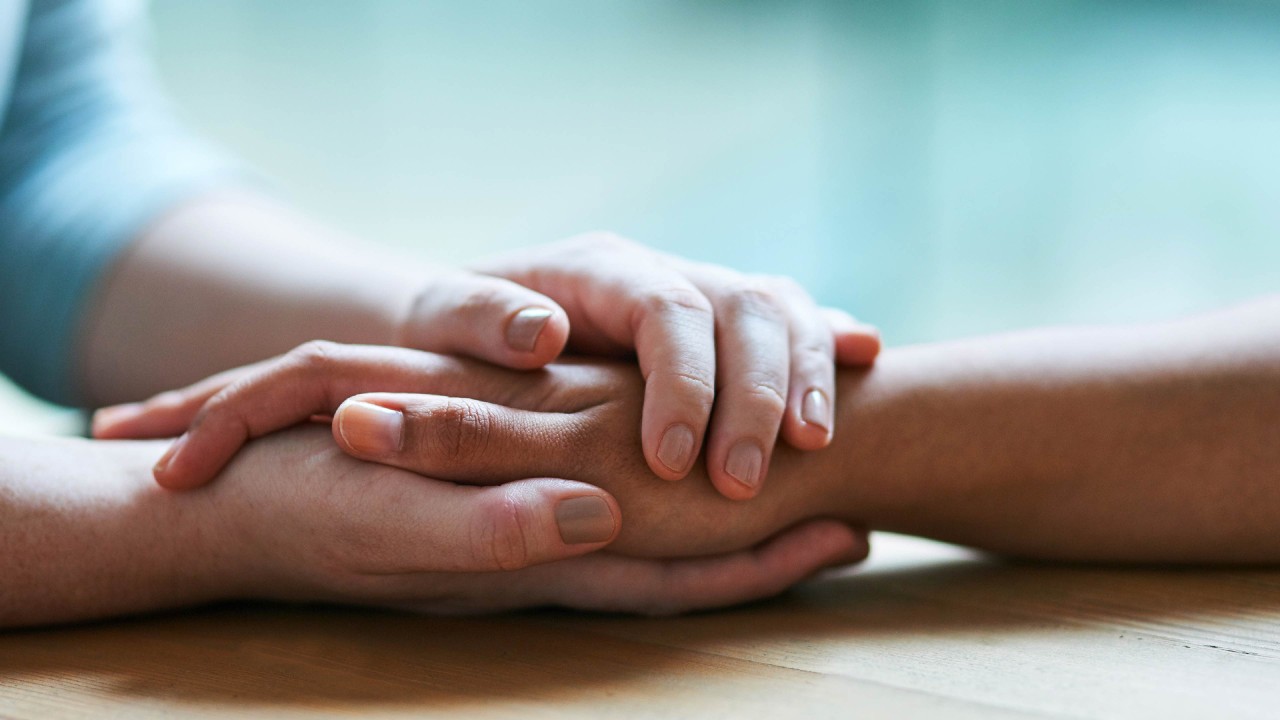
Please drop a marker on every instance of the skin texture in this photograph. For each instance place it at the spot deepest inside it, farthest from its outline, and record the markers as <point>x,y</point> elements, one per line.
<point>87,534</point>
<point>230,278</point>
<point>570,420</point>
<point>1158,443</point>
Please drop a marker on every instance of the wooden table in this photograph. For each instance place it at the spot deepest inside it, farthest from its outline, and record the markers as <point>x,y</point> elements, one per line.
<point>923,629</point>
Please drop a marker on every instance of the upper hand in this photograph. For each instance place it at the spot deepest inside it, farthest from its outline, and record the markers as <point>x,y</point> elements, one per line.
<point>761,343</point>
<point>756,346</point>
<point>294,518</point>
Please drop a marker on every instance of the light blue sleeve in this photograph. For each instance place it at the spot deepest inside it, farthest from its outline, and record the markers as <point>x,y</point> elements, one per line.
<point>89,155</point>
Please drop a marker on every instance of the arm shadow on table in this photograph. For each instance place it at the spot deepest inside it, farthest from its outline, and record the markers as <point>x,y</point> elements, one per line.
<point>262,655</point>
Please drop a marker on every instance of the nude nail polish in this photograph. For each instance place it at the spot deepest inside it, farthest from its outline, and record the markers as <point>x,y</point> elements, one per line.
<point>584,520</point>
<point>744,463</point>
<point>815,410</point>
<point>675,447</point>
<point>525,327</point>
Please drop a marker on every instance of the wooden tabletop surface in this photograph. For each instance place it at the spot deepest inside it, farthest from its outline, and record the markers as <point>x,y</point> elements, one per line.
<point>921,629</point>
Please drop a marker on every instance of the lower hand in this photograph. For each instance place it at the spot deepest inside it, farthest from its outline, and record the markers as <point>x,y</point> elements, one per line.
<point>297,519</point>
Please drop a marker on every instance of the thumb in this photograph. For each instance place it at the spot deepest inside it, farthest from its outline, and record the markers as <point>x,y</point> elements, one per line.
<point>489,318</point>
<point>440,526</point>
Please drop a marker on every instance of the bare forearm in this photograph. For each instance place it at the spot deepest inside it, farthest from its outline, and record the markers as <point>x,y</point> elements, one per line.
<point>229,279</point>
<point>1159,443</point>
<point>86,534</point>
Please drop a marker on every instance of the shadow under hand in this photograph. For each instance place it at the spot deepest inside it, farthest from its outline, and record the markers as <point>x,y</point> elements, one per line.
<point>884,623</point>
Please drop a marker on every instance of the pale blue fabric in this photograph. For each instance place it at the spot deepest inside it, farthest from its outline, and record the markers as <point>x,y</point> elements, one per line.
<point>89,154</point>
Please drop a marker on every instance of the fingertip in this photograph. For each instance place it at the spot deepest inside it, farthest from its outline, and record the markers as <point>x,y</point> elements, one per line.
<point>368,430</point>
<point>804,436</point>
<point>192,461</point>
<point>739,472</point>
<point>540,520</point>
<point>672,454</point>
<point>109,422</point>
<point>859,549</point>
<point>858,346</point>
<point>848,544</point>
<point>535,335</point>
<point>554,337</point>
<point>588,520</point>
<point>732,488</point>
<point>808,549</point>
<point>171,480</point>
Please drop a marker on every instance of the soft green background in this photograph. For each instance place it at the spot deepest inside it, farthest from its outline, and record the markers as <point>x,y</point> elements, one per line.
<point>939,168</point>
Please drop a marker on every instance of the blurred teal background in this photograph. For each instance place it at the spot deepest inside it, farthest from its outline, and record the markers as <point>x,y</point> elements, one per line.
<point>938,168</point>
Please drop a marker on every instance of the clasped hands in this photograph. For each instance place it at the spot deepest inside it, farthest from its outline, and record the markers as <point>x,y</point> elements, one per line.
<point>452,484</point>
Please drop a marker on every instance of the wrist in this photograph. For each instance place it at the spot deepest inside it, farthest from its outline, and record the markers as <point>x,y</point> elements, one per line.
<point>193,555</point>
<point>866,475</point>
<point>88,534</point>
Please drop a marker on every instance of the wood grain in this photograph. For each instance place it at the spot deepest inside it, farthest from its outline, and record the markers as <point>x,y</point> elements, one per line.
<point>922,630</point>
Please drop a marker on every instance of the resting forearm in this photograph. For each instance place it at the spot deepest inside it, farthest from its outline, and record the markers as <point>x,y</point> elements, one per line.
<point>86,533</point>
<point>1159,443</point>
<point>226,280</point>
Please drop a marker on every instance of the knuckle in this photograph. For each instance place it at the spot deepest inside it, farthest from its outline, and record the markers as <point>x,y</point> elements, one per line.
<point>456,431</point>
<point>218,411</point>
<point>687,384</point>
<point>480,300</point>
<point>502,539</point>
<point>821,345</point>
<point>214,410</point>
<point>673,301</point>
<point>315,354</point>
<point>766,395</point>
<point>786,285</point>
<point>753,299</point>
<point>167,399</point>
<point>816,356</point>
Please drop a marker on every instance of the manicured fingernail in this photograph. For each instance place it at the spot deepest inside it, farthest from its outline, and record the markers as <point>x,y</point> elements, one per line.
<point>108,416</point>
<point>370,429</point>
<point>675,447</point>
<point>163,463</point>
<point>816,410</point>
<point>584,520</point>
<point>744,463</point>
<point>525,327</point>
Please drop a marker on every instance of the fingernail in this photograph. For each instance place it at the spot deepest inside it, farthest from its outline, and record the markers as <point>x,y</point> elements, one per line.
<point>525,327</point>
<point>816,410</point>
<point>744,463</point>
<point>163,463</point>
<point>584,520</point>
<point>370,429</point>
<point>675,447</point>
<point>108,416</point>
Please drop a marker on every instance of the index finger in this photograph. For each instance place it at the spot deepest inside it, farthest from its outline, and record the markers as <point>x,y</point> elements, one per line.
<point>617,298</point>
<point>311,380</point>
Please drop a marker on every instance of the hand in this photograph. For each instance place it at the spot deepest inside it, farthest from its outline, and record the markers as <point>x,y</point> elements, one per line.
<point>466,421</point>
<point>758,346</point>
<point>694,327</point>
<point>577,420</point>
<point>296,519</point>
